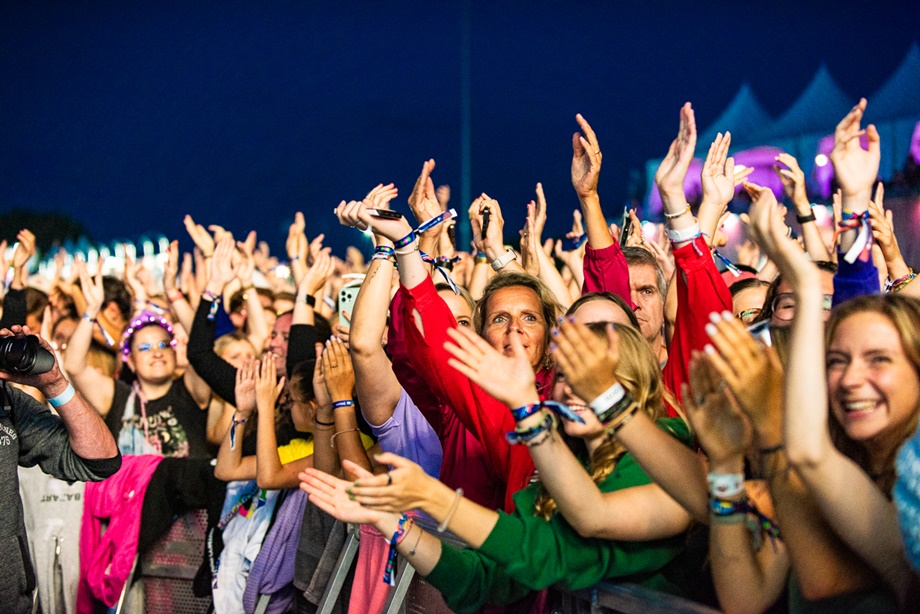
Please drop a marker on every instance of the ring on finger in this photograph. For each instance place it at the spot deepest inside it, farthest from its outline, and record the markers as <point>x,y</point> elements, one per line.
<point>389,479</point>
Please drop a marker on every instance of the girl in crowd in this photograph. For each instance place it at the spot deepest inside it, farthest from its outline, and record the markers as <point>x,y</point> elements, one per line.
<point>533,547</point>
<point>158,414</point>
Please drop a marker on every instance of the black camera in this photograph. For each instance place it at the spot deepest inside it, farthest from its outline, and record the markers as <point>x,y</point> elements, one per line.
<point>24,355</point>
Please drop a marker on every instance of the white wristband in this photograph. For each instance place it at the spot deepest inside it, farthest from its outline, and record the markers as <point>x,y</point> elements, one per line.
<point>722,485</point>
<point>500,262</point>
<point>608,398</point>
<point>64,397</point>
<point>679,236</point>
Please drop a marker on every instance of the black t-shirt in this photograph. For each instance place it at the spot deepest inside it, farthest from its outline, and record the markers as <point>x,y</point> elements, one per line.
<point>174,421</point>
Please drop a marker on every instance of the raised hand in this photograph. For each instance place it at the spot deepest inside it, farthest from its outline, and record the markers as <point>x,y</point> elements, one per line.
<point>329,494</point>
<point>494,239</point>
<point>588,361</point>
<point>317,275</point>
<point>724,433</point>
<point>354,213</point>
<point>132,281</point>
<point>673,168</point>
<point>338,371</point>
<point>319,381</point>
<point>92,288</point>
<point>529,244</point>
<point>718,176</point>
<point>381,195</point>
<point>883,233</point>
<point>507,377</point>
<point>854,167</point>
<point>540,214</point>
<point>245,389</point>
<point>202,238</point>
<point>443,196</point>
<point>769,232</point>
<point>423,201</point>
<point>296,243</point>
<point>751,370</point>
<point>268,386</point>
<point>223,271</point>
<point>24,250</point>
<point>793,178</point>
<point>247,265</point>
<point>586,160</point>
<point>402,488</point>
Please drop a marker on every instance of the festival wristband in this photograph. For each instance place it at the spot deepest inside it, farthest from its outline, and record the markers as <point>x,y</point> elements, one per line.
<point>64,397</point>
<point>560,409</point>
<point>426,225</point>
<point>341,404</point>
<point>389,573</point>
<point>672,216</point>
<point>234,422</point>
<point>686,234</point>
<point>722,485</point>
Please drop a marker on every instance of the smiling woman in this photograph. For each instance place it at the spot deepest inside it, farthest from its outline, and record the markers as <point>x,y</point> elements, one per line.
<point>873,361</point>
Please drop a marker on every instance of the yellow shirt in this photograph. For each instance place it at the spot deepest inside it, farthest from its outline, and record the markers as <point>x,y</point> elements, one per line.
<point>301,448</point>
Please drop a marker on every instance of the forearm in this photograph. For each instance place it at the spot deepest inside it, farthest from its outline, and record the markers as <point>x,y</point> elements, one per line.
<point>811,236</point>
<point>348,443</point>
<point>268,463</point>
<point>479,278</point>
<point>808,442</point>
<point>551,277</point>
<point>255,318</point>
<point>88,435</point>
<point>325,458</point>
<point>857,203</point>
<point>219,416</point>
<point>182,308</point>
<point>595,223</point>
<point>469,521</point>
<point>421,549</point>
<point>230,461</point>
<point>679,470</point>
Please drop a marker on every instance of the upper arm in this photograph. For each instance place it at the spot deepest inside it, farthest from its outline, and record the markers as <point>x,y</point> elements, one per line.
<point>197,387</point>
<point>377,386</point>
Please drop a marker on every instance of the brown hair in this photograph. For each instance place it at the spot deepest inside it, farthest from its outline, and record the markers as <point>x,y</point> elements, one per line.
<point>550,307</point>
<point>904,314</point>
<point>640,374</point>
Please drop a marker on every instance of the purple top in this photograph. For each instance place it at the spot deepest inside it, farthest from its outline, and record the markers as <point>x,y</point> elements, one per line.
<point>854,279</point>
<point>408,434</point>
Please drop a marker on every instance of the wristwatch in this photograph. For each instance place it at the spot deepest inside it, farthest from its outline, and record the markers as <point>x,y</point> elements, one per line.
<point>500,262</point>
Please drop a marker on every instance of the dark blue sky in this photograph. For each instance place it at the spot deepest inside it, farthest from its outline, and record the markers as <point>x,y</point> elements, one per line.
<point>127,115</point>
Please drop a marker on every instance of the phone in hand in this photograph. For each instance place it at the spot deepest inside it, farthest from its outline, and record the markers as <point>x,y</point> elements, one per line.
<point>625,226</point>
<point>569,245</point>
<point>385,214</point>
<point>486,218</point>
<point>347,297</point>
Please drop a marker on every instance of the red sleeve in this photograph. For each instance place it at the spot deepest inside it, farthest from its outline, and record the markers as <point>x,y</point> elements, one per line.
<point>411,381</point>
<point>606,271</point>
<point>485,417</point>
<point>700,291</point>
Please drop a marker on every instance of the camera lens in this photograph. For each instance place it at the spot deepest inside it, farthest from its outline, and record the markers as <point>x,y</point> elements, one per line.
<point>24,355</point>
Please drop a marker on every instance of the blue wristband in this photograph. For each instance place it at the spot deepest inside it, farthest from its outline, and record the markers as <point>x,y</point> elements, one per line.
<point>64,397</point>
<point>340,404</point>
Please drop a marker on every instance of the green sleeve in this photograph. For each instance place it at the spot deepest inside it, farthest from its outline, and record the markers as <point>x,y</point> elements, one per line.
<point>468,580</point>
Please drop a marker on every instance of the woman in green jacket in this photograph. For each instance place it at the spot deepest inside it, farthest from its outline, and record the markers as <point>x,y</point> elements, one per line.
<point>509,555</point>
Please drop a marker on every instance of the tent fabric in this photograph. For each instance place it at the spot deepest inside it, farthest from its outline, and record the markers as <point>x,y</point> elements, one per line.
<point>744,117</point>
<point>816,111</point>
<point>899,96</point>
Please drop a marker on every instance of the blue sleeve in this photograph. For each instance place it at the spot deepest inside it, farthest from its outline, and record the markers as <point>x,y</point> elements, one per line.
<point>854,279</point>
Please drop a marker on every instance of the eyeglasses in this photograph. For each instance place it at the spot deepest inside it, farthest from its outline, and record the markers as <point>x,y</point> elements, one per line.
<point>146,347</point>
<point>784,305</point>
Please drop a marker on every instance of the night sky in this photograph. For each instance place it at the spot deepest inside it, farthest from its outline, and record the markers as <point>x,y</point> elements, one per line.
<point>127,115</point>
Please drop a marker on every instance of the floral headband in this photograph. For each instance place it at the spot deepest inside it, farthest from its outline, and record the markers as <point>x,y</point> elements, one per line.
<point>143,320</point>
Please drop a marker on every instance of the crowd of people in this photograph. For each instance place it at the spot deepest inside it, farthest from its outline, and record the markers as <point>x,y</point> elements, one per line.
<point>616,406</point>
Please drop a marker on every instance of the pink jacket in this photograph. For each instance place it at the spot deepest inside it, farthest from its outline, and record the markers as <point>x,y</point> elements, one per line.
<point>106,560</point>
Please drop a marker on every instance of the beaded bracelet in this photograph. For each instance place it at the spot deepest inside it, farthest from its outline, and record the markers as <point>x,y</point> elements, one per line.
<point>900,283</point>
<point>528,436</point>
<point>673,216</point>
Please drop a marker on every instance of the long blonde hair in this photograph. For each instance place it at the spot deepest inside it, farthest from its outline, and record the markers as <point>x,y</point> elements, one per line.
<point>640,374</point>
<point>904,314</point>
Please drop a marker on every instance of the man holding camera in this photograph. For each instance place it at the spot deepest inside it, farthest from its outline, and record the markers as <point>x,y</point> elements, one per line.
<point>73,445</point>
